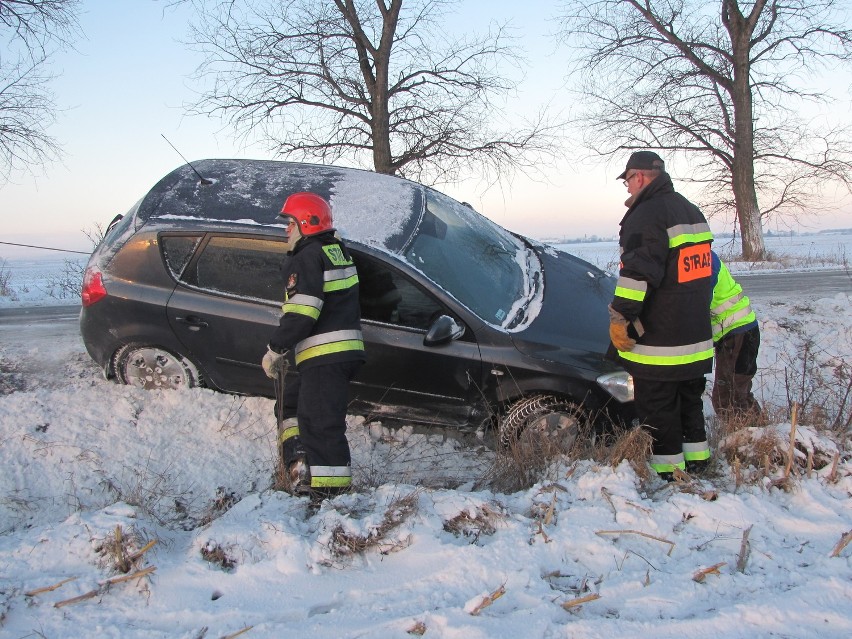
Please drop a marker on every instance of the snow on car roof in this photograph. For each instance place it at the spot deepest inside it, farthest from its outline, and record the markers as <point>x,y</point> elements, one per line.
<point>368,207</point>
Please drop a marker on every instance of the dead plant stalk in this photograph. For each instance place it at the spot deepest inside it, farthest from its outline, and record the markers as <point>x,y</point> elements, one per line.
<point>792,452</point>
<point>638,532</point>
<point>712,570</point>
<point>579,601</point>
<point>38,591</point>
<point>488,600</point>
<point>742,559</point>
<point>104,587</point>
<point>844,541</point>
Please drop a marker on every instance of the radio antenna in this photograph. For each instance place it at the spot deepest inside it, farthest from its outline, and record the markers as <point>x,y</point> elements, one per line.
<point>204,180</point>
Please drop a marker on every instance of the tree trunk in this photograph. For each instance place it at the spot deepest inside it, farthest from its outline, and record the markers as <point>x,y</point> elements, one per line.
<point>753,247</point>
<point>374,61</point>
<point>742,181</point>
<point>380,108</point>
<point>742,169</point>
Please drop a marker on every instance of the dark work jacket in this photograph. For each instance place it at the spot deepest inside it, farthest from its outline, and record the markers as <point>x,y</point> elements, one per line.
<point>665,285</point>
<point>321,320</point>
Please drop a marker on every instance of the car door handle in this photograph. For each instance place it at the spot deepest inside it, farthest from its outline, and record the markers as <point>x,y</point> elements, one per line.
<point>195,323</point>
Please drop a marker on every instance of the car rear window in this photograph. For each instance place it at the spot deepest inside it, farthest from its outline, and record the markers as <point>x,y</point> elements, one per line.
<point>246,267</point>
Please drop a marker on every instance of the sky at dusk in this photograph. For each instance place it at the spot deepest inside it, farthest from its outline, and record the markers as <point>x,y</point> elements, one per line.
<point>125,85</point>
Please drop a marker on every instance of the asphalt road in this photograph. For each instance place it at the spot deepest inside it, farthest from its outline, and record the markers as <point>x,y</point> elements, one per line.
<point>760,288</point>
<point>39,314</point>
<point>811,284</point>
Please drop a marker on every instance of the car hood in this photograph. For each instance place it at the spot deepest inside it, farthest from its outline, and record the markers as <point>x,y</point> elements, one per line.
<point>572,325</point>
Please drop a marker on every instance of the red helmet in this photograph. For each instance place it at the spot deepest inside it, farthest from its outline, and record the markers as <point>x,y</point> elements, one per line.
<point>311,212</point>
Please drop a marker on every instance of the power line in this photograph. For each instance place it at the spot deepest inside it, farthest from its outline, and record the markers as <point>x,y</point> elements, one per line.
<point>47,248</point>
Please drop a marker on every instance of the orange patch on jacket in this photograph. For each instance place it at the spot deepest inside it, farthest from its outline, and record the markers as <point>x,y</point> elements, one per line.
<point>693,263</point>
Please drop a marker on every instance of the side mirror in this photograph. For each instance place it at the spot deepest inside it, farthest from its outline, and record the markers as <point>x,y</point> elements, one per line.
<point>443,331</point>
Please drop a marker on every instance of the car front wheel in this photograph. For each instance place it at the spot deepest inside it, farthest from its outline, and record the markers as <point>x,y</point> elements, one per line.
<point>152,367</point>
<point>546,424</point>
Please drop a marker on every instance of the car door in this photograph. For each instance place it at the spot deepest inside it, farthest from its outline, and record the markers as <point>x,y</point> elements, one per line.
<point>226,306</point>
<point>402,376</point>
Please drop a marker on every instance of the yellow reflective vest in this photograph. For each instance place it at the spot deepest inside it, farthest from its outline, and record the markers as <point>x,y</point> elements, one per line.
<point>730,309</point>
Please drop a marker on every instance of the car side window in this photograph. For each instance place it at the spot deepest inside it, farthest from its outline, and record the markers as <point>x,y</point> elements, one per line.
<point>246,267</point>
<point>177,250</point>
<point>389,297</point>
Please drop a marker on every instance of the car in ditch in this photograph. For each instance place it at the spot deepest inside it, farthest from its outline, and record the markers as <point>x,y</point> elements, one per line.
<point>465,324</point>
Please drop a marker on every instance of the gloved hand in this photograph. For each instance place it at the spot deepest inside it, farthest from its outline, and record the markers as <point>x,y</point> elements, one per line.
<point>618,331</point>
<point>619,337</point>
<point>273,363</point>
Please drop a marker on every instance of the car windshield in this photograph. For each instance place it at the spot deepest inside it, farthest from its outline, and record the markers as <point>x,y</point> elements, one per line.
<point>486,268</point>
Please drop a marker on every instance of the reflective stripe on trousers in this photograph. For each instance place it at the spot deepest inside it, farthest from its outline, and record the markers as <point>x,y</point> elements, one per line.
<point>331,476</point>
<point>696,451</point>
<point>667,463</point>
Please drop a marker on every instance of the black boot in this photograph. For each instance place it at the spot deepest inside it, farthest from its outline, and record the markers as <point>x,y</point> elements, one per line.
<point>698,466</point>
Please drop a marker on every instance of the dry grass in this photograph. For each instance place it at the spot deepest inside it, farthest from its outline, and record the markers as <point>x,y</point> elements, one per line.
<point>122,550</point>
<point>529,460</point>
<point>634,446</point>
<point>344,544</point>
<point>222,503</point>
<point>215,554</point>
<point>481,522</point>
<point>758,454</point>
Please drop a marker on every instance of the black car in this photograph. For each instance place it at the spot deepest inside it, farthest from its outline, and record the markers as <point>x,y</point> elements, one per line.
<point>464,323</point>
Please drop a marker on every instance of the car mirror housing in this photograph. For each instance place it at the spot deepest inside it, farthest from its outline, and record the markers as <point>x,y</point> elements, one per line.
<point>442,331</point>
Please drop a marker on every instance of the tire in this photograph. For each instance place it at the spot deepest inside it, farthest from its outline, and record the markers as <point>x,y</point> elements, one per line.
<point>546,423</point>
<point>152,367</point>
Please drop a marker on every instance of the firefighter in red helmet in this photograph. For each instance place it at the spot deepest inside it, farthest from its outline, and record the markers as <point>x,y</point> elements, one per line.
<point>321,326</point>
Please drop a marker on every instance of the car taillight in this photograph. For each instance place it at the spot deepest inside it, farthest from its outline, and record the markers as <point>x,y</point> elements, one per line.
<point>93,286</point>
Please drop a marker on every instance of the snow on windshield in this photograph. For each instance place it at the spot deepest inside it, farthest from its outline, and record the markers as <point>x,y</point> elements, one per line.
<point>526,309</point>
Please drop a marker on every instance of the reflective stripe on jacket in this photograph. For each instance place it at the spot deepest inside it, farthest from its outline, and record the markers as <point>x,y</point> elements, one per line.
<point>730,309</point>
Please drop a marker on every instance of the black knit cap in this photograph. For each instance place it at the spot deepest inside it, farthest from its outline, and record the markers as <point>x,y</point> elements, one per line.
<point>644,161</point>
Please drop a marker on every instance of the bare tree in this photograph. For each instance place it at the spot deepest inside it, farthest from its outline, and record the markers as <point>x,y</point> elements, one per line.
<point>725,83</point>
<point>370,81</point>
<point>30,32</point>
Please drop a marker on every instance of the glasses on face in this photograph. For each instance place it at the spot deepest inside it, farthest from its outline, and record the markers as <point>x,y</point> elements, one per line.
<point>626,181</point>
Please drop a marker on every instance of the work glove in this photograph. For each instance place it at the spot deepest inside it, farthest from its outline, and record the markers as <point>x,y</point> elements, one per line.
<point>273,363</point>
<point>618,331</point>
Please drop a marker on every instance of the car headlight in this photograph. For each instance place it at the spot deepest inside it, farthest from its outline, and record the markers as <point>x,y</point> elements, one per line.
<point>619,385</point>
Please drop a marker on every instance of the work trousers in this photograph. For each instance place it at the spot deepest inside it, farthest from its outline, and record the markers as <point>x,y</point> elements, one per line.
<point>318,397</point>
<point>736,366</point>
<point>673,413</point>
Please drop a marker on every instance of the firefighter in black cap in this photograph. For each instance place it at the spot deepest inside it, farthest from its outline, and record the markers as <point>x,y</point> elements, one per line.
<point>659,324</point>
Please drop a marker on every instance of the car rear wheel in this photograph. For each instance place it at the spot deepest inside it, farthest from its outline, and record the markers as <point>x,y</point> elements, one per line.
<point>541,425</point>
<point>152,367</point>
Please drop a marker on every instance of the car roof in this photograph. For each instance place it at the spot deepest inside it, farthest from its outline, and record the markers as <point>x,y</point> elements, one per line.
<point>370,208</point>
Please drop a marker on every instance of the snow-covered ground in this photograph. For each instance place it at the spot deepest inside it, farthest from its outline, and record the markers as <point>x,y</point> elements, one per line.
<point>423,547</point>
